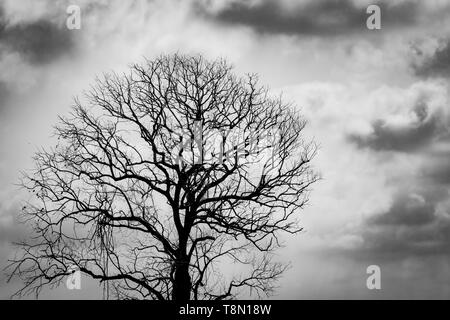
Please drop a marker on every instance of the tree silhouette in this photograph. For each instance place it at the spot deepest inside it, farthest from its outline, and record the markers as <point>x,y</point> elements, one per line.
<point>172,181</point>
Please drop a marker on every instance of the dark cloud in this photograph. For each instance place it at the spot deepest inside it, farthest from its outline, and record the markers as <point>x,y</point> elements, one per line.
<point>38,42</point>
<point>438,169</point>
<point>318,17</point>
<point>406,210</point>
<point>397,243</point>
<point>437,65</point>
<point>411,227</point>
<point>425,129</point>
<point>417,223</point>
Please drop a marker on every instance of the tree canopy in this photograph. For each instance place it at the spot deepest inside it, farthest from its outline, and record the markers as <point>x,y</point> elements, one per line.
<point>174,180</point>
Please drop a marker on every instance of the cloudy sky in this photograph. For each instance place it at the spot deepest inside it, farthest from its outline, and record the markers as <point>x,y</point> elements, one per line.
<point>377,102</point>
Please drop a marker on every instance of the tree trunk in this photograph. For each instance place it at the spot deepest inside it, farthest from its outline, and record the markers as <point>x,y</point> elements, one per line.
<point>182,284</point>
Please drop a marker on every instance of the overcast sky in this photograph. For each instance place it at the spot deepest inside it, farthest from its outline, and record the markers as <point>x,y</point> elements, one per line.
<point>377,102</point>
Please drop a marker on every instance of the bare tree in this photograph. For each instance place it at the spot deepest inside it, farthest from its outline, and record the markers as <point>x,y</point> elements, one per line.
<point>173,181</point>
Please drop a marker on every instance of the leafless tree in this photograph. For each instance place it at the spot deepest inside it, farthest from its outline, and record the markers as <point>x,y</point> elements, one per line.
<point>173,181</point>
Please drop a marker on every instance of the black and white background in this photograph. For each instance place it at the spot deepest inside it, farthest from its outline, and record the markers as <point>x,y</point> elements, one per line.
<point>377,103</point>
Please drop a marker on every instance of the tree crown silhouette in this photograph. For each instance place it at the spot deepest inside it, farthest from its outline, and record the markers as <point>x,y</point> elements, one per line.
<point>173,181</point>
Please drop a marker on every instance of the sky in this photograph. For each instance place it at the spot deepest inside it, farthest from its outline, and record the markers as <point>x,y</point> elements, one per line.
<point>376,101</point>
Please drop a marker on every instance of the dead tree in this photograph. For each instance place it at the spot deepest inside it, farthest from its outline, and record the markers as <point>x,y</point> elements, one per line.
<point>173,181</point>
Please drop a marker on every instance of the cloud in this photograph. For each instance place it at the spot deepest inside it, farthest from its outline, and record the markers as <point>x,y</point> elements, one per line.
<point>409,228</point>
<point>4,94</point>
<point>419,129</point>
<point>437,169</point>
<point>413,124</point>
<point>39,42</point>
<point>386,208</point>
<point>436,64</point>
<point>407,210</point>
<point>416,223</point>
<point>37,33</point>
<point>317,18</point>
